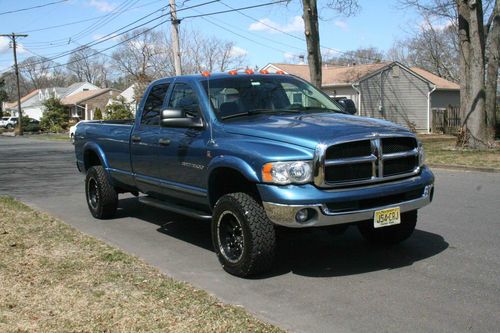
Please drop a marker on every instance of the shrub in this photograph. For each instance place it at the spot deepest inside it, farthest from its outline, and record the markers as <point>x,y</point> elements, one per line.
<point>56,116</point>
<point>98,114</point>
<point>30,125</point>
<point>118,110</point>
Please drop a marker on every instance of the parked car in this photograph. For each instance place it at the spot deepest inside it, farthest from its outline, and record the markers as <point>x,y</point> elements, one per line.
<point>347,104</point>
<point>8,122</point>
<point>72,131</point>
<point>239,150</point>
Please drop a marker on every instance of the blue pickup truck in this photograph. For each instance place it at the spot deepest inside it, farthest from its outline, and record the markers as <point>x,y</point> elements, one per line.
<point>253,151</point>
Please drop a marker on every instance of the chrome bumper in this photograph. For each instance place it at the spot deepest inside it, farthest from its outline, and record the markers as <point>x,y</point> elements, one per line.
<point>321,216</point>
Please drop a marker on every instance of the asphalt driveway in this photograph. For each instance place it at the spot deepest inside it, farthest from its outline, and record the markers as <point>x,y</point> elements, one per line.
<point>446,278</point>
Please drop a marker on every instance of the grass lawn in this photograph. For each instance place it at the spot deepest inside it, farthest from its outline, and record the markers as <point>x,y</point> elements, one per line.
<point>441,150</point>
<point>56,279</point>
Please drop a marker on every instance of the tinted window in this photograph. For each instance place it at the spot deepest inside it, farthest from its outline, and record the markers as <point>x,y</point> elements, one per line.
<point>154,102</point>
<point>184,98</point>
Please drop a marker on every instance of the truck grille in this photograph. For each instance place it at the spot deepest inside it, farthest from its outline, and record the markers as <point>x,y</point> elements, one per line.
<point>366,161</point>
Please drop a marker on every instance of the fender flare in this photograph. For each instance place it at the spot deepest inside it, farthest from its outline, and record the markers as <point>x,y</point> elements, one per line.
<point>94,147</point>
<point>235,163</point>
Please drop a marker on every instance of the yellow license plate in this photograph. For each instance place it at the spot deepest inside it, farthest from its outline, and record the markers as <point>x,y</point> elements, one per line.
<point>386,217</point>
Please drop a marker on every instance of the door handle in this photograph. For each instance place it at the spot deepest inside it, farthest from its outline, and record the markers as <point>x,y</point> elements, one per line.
<point>164,142</point>
<point>136,138</point>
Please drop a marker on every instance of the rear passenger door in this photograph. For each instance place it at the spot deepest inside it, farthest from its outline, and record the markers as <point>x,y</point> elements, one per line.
<point>184,159</point>
<point>144,146</point>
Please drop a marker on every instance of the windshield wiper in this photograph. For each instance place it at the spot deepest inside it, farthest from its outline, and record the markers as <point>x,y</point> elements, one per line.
<point>259,111</point>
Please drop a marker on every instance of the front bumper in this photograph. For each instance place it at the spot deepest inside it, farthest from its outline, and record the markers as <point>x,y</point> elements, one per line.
<point>282,203</point>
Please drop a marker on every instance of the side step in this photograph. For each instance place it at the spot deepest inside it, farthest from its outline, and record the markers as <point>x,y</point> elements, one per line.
<point>182,210</point>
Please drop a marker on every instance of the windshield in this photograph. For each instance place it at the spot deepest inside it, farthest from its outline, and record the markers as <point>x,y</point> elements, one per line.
<point>247,95</point>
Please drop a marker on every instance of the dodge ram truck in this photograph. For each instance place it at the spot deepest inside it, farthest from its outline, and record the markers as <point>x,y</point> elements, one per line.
<point>253,151</point>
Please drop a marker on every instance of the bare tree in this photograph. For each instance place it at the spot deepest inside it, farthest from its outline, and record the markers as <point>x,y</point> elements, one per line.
<point>39,72</point>
<point>475,42</point>
<point>311,31</point>
<point>432,48</point>
<point>366,55</point>
<point>88,65</point>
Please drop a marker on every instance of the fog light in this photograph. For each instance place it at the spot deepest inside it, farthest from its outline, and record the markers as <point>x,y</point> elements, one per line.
<point>302,215</point>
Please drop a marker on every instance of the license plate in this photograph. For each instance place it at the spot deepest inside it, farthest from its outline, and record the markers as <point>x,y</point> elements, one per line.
<point>386,217</point>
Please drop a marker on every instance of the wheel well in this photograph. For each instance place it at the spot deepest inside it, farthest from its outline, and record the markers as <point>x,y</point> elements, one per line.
<point>90,159</point>
<point>226,180</point>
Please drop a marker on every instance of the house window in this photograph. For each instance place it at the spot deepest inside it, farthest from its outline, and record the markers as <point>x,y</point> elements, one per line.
<point>396,71</point>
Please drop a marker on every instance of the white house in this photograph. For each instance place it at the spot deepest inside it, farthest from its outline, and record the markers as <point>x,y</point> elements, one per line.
<point>32,103</point>
<point>129,96</point>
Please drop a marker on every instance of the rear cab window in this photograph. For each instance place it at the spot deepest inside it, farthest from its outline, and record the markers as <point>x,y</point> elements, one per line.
<point>152,106</point>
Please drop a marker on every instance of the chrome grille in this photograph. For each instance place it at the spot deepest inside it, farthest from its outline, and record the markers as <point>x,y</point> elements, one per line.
<point>366,161</point>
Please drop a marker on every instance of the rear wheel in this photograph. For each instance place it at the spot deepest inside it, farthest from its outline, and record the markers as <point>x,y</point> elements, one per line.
<point>243,236</point>
<point>102,198</point>
<point>9,126</point>
<point>392,234</point>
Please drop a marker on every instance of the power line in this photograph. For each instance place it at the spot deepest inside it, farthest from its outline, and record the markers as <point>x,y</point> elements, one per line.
<point>34,7</point>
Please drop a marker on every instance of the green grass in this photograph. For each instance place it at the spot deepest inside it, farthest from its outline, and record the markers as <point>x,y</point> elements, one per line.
<point>441,150</point>
<point>55,279</point>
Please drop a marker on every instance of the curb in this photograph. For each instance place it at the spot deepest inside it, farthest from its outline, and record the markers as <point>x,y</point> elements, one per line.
<point>462,168</point>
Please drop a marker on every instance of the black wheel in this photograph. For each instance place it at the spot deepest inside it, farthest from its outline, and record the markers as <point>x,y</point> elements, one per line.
<point>9,126</point>
<point>243,236</point>
<point>72,138</point>
<point>102,198</point>
<point>392,234</point>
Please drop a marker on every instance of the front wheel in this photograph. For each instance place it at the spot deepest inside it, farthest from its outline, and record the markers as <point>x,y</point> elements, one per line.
<point>392,234</point>
<point>102,198</point>
<point>243,236</point>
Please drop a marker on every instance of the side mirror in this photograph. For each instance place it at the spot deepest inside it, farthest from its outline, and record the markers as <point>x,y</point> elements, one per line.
<point>348,105</point>
<point>178,118</point>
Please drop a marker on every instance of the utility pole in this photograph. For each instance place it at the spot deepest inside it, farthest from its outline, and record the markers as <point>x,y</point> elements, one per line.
<point>175,38</point>
<point>311,30</point>
<point>13,37</point>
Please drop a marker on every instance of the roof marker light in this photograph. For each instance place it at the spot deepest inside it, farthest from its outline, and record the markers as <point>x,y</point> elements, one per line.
<point>249,71</point>
<point>233,72</point>
<point>279,71</point>
<point>264,71</point>
<point>205,73</point>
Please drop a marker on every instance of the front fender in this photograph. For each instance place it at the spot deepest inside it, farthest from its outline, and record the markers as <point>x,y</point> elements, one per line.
<point>235,163</point>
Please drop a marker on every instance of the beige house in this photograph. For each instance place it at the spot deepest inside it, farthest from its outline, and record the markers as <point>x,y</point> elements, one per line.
<point>390,91</point>
<point>84,104</point>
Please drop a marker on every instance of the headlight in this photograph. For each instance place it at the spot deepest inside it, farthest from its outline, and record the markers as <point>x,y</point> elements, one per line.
<point>421,154</point>
<point>298,172</point>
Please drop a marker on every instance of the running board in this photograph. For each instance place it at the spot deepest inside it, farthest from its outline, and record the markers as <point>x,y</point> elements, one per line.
<point>182,210</point>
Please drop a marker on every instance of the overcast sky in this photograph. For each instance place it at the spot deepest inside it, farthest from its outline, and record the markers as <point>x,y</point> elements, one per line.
<point>378,24</point>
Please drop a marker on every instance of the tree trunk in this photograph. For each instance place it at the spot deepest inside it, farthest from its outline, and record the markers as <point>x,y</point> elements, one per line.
<point>493,56</point>
<point>474,120</point>
<point>312,39</point>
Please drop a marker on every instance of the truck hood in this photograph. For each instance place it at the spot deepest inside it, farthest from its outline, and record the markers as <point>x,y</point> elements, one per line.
<point>308,130</point>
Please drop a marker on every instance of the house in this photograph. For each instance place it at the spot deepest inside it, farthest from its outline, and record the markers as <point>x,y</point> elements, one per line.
<point>387,90</point>
<point>130,98</point>
<point>83,105</point>
<point>32,103</point>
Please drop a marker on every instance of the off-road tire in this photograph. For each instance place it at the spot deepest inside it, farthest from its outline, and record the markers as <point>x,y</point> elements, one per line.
<point>389,235</point>
<point>259,238</point>
<point>102,198</point>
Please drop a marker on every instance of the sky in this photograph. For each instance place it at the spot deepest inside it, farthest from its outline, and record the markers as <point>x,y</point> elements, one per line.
<point>378,24</point>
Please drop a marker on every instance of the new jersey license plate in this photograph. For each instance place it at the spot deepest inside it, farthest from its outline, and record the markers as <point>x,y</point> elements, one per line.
<point>386,217</point>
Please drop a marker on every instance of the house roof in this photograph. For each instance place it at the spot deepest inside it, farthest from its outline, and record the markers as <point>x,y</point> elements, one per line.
<point>439,82</point>
<point>332,75</point>
<point>347,75</point>
<point>85,95</point>
<point>23,99</point>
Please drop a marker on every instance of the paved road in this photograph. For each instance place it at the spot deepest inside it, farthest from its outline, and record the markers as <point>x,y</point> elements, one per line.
<point>446,278</point>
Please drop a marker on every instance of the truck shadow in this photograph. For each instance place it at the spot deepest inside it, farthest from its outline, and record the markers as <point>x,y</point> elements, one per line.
<point>307,252</point>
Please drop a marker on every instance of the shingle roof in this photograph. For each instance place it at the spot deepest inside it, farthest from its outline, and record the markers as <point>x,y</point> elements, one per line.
<point>85,95</point>
<point>333,75</point>
<point>439,82</point>
<point>23,99</point>
<point>347,75</point>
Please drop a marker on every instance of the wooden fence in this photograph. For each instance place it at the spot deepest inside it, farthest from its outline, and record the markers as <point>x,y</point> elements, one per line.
<point>446,120</point>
